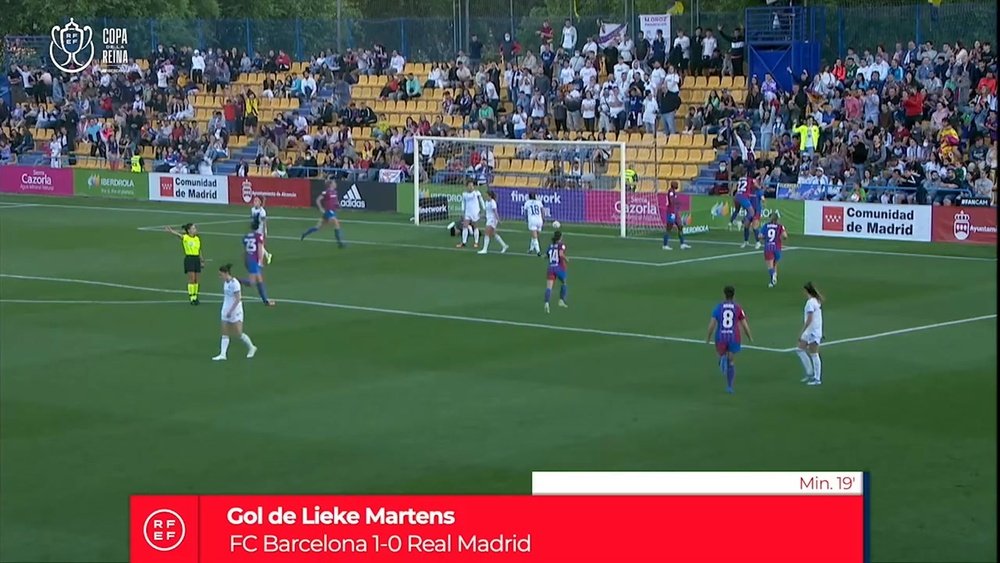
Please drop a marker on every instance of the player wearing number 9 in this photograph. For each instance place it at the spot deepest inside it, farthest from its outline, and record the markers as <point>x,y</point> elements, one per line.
<point>726,323</point>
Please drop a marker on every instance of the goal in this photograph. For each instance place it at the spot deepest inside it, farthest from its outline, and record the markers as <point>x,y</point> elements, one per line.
<point>578,182</point>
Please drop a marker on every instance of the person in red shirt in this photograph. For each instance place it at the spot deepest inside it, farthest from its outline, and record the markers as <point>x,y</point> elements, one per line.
<point>839,71</point>
<point>546,32</point>
<point>913,106</point>
<point>989,82</point>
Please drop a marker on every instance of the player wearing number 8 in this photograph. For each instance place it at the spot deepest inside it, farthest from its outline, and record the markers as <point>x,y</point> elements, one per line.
<point>728,319</point>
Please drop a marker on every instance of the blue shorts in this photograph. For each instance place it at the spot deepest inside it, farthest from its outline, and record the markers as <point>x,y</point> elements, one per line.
<point>673,219</point>
<point>744,203</point>
<point>329,214</point>
<point>723,347</point>
<point>254,267</point>
<point>557,274</point>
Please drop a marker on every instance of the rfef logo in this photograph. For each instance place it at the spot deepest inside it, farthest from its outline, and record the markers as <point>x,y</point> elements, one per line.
<point>164,530</point>
<point>166,186</point>
<point>833,218</point>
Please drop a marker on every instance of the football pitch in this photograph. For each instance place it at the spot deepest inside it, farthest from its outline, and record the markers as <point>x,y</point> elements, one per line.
<point>401,365</point>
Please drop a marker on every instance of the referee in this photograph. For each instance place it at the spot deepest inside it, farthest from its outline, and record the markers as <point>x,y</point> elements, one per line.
<point>193,260</point>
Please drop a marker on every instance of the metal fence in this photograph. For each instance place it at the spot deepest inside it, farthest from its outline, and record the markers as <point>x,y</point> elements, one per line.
<point>438,38</point>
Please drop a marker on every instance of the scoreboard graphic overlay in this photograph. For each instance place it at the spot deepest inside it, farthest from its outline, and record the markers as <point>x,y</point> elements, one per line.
<point>687,517</point>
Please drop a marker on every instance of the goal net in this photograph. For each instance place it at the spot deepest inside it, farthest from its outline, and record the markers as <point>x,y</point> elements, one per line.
<point>578,182</point>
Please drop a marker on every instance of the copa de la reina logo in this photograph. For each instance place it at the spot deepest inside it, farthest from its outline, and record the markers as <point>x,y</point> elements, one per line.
<point>164,530</point>
<point>72,49</point>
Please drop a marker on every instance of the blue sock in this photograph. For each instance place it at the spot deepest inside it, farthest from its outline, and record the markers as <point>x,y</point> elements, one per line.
<point>723,364</point>
<point>262,291</point>
<point>756,234</point>
<point>548,294</point>
<point>666,238</point>
<point>310,231</point>
<point>730,376</point>
<point>680,235</point>
<point>336,233</point>
<point>770,273</point>
<point>746,234</point>
<point>563,290</point>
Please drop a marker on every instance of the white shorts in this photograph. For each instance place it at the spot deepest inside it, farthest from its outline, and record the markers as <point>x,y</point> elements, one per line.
<point>812,336</point>
<point>535,225</point>
<point>236,318</point>
<point>491,223</point>
<point>471,218</point>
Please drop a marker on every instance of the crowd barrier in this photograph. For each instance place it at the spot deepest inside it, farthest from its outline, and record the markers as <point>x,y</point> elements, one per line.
<point>971,222</point>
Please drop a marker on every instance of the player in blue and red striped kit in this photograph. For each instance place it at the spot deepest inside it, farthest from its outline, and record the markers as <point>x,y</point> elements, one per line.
<point>672,219</point>
<point>773,233</point>
<point>328,203</point>
<point>557,270</point>
<point>254,252</point>
<point>727,320</point>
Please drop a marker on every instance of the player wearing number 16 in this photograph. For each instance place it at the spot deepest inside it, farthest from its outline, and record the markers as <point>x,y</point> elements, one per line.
<point>728,319</point>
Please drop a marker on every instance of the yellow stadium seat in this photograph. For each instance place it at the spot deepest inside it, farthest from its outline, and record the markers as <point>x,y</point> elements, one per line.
<point>644,155</point>
<point>714,83</point>
<point>690,171</point>
<point>683,155</point>
<point>685,141</point>
<point>668,155</point>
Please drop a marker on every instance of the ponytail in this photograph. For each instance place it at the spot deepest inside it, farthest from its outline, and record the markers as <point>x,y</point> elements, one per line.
<point>556,237</point>
<point>812,291</point>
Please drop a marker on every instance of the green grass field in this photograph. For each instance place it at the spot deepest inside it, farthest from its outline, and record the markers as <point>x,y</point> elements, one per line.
<point>401,365</point>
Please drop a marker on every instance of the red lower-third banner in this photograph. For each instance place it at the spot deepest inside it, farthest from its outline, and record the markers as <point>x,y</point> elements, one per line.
<point>300,529</point>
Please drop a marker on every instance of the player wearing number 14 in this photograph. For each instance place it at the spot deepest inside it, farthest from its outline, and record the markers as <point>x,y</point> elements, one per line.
<point>728,319</point>
<point>557,270</point>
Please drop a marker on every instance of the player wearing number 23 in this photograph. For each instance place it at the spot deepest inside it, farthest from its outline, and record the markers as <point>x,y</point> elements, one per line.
<point>728,319</point>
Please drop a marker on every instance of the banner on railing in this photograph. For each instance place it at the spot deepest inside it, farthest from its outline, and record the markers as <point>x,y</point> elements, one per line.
<point>716,212</point>
<point>36,180</point>
<point>276,192</point>
<point>189,188</point>
<point>868,220</point>
<point>972,225</point>
<point>650,23</point>
<point>390,176</point>
<point>560,205</point>
<point>110,184</point>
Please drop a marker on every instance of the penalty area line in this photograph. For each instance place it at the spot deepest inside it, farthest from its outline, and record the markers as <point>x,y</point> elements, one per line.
<point>400,312</point>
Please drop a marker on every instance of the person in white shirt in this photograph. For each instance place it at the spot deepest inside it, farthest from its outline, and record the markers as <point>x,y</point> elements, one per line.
<point>397,62</point>
<point>520,124</point>
<point>535,213</point>
<point>672,80</point>
<point>566,75</point>
<point>708,44</point>
<point>812,335</point>
<point>650,111</point>
<point>258,216</point>
<point>55,151</point>
<point>568,36</point>
<point>427,150</point>
<point>625,49</point>
<point>538,109</point>
<point>621,67</point>
<point>590,48</point>
<point>197,67</point>
<point>492,222</point>
<point>472,205</point>
<point>308,85</point>
<point>588,74</point>
<point>656,76</point>
<point>684,42</point>
<point>232,314</point>
<point>161,78</point>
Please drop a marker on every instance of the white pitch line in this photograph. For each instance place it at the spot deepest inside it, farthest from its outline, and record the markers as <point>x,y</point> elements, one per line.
<point>402,312</point>
<point>194,212</point>
<point>447,248</point>
<point>84,302</point>
<point>8,205</point>
<point>905,331</point>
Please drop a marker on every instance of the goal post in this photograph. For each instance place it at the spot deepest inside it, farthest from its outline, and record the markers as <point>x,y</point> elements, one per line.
<point>578,182</point>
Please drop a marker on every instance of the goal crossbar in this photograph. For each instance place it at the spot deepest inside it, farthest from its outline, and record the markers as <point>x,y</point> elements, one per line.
<point>616,148</point>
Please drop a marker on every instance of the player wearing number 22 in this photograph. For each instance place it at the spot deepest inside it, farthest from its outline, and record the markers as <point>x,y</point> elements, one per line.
<point>557,270</point>
<point>773,233</point>
<point>726,324</point>
<point>254,253</point>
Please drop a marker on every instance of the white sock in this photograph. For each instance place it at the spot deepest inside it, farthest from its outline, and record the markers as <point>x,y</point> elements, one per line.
<point>817,367</point>
<point>499,239</point>
<point>534,245</point>
<point>465,235</point>
<point>475,234</point>
<point>246,340</point>
<point>224,346</point>
<point>806,361</point>
<point>486,243</point>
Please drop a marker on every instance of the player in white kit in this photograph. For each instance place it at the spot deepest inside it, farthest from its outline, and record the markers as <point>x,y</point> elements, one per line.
<point>535,212</point>
<point>492,222</point>
<point>812,335</point>
<point>232,314</point>
<point>259,214</point>
<point>472,205</point>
